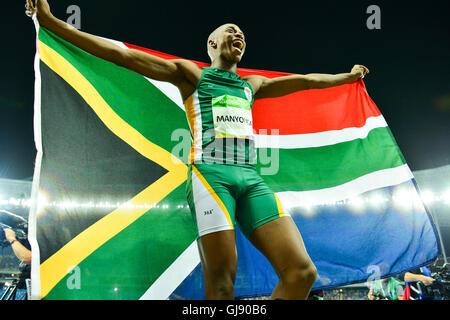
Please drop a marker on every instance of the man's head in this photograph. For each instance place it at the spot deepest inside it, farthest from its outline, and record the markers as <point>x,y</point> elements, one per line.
<point>228,42</point>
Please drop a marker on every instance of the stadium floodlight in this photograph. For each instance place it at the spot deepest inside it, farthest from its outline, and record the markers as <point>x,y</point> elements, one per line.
<point>377,199</point>
<point>356,201</point>
<point>42,202</point>
<point>427,196</point>
<point>305,207</point>
<point>307,204</point>
<point>403,198</point>
<point>356,204</point>
<point>446,197</point>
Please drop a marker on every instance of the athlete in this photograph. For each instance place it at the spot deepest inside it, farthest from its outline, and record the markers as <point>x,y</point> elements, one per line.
<point>223,187</point>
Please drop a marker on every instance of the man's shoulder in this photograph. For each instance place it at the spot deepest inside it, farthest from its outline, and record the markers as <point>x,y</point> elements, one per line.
<point>255,81</point>
<point>186,64</point>
<point>190,69</point>
<point>253,77</point>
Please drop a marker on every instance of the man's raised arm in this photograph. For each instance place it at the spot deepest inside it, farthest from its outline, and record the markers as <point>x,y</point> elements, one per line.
<point>150,66</point>
<point>280,86</point>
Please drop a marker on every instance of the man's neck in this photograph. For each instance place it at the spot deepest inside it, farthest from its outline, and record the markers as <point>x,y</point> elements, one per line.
<point>222,64</point>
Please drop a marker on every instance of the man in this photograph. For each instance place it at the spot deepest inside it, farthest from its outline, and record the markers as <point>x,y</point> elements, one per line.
<point>22,250</point>
<point>223,187</point>
<point>414,279</point>
<point>386,289</point>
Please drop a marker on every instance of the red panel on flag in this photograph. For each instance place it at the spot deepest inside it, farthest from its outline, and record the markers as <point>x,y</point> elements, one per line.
<point>334,109</point>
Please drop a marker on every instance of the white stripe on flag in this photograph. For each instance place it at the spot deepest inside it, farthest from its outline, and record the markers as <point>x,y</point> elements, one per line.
<point>368,182</point>
<point>170,91</point>
<point>310,140</point>
<point>174,275</point>
<point>167,88</point>
<point>32,227</point>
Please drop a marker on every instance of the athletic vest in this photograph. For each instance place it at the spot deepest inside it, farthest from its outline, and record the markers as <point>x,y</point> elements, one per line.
<point>219,113</point>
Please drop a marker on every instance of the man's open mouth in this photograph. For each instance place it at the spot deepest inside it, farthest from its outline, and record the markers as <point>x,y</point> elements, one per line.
<point>239,44</point>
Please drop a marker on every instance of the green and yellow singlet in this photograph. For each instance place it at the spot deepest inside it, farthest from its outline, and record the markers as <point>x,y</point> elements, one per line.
<point>219,114</point>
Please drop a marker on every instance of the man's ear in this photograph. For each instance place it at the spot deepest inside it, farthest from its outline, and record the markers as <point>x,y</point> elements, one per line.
<point>212,44</point>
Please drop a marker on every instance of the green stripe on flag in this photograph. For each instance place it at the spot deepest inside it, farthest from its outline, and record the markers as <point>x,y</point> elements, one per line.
<point>330,166</point>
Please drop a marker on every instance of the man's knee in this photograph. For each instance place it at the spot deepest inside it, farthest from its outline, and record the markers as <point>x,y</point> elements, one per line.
<point>222,283</point>
<point>223,288</point>
<point>300,275</point>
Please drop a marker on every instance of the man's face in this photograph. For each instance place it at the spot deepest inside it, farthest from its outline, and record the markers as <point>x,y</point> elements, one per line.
<point>230,42</point>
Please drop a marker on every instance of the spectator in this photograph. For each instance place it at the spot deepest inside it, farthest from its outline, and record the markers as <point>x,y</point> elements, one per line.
<point>386,289</point>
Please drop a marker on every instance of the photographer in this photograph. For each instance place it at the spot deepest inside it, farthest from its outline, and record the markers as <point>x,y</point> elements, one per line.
<point>423,284</point>
<point>13,232</point>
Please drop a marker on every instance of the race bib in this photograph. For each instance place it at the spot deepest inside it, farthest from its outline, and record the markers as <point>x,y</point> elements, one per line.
<point>232,117</point>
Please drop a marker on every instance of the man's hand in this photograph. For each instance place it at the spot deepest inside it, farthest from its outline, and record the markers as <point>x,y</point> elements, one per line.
<point>10,235</point>
<point>41,7</point>
<point>426,280</point>
<point>29,8</point>
<point>359,70</point>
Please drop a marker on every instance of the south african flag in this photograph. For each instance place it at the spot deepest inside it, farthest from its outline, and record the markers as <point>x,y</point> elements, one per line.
<point>110,218</point>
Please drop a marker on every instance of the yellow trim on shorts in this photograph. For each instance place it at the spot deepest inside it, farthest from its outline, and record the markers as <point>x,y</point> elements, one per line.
<point>214,195</point>
<point>279,206</point>
<point>190,112</point>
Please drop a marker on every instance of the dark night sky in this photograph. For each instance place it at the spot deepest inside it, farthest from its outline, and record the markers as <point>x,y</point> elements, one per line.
<point>409,57</point>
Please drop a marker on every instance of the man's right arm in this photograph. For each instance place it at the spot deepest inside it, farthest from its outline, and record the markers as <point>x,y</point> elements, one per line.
<point>173,71</point>
<point>412,277</point>
<point>22,253</point>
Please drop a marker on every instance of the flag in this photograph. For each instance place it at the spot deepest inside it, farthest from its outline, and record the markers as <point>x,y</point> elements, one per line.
<point>110,220</point>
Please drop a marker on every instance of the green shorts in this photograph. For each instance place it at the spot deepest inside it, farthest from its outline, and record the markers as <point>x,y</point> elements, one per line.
<point>221,195</point>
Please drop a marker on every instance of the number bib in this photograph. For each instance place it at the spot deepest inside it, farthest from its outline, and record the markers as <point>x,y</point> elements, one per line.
<point>232,117</point>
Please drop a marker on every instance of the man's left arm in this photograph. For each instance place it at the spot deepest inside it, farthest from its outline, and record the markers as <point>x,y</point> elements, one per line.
<point>280,86</point>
